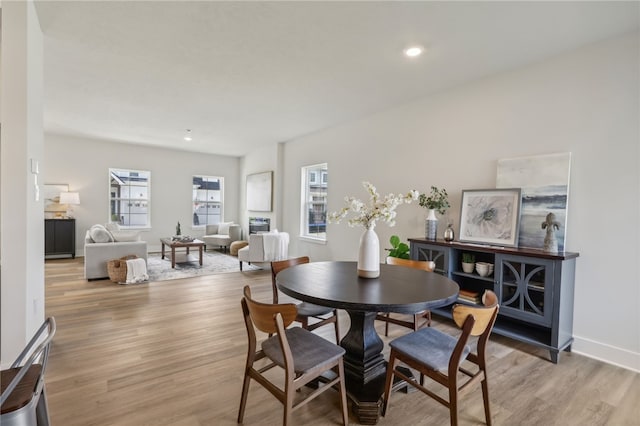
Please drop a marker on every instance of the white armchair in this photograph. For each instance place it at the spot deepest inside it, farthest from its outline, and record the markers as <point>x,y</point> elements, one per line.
<point>222,234</point>
<point>265,248</point>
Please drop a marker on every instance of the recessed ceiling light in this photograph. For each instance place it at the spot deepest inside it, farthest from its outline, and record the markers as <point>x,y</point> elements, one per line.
<point>413,51</point>
<point>187,137</point>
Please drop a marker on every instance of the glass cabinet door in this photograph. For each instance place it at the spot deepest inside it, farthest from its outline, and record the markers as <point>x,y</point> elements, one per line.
<point>437,254</point>
<point>524,287</point>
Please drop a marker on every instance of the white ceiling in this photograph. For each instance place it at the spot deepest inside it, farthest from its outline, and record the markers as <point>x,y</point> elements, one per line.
<point>246,74</point>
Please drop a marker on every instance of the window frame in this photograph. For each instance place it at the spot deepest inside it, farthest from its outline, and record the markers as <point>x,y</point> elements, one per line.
<point>319,172</point>
<point>221,202</point>
<point>113,174</point>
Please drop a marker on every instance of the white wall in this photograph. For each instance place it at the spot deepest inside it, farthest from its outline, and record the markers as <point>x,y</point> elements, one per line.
<point>22,247</point>
<point>261,160</point>
<point>84,165</point>
<point>584,102</point>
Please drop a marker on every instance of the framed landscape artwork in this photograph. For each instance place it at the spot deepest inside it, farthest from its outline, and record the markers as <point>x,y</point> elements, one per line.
<point>51,195</point>
<point>259,188</point>
<point>490,216</point>
<point>544,181</point>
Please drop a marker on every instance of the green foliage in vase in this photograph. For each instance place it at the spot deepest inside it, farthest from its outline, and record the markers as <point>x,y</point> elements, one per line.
<point>438,200</point>
<point>468,258</point>
<point>400,250</point>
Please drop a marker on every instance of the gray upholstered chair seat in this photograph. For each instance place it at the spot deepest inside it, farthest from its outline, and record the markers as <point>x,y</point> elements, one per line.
<point>311,310</point>
<point>309,350</point>
<point>430,347</point>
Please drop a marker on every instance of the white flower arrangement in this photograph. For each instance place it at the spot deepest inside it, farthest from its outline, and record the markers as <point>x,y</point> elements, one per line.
<point>378,208</point>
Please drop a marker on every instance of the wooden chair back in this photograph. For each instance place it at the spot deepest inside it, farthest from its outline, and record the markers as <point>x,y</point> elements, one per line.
<point>263,314</point>
<point>416,264</point>
<point>280,265</point>
<point>489,299</point>
<point>484,317</point>
<point>474,321</point>
<point>316,356</point>
<point>415,323</point>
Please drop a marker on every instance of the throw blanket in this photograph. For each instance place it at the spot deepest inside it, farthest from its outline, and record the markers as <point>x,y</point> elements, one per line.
<point>275,246</point>
<point>136,271</point>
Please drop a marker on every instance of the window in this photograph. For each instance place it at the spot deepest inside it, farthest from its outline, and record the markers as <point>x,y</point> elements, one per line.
<point>207,200</point>
<point>314,202</point>
<point>129,197</point>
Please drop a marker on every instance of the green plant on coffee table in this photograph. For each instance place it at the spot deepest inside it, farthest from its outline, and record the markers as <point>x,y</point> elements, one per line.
<point>400,250</point>
<point>468,258</point>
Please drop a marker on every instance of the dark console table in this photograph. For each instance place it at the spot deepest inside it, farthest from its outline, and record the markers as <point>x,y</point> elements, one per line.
<point>534,288</point>
<point>59,237</point>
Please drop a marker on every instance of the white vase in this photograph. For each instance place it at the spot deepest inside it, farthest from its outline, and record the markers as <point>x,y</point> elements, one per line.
<point>369,255</point>
<point>431,225</point>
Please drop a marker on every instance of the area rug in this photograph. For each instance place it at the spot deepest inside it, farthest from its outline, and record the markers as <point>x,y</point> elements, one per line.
<point>213,262</point>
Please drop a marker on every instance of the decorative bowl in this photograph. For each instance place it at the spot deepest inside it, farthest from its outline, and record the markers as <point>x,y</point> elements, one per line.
<point>484,268</point>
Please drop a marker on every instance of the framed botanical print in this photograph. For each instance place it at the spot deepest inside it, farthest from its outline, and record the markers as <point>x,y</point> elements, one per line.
<point>490,216</point>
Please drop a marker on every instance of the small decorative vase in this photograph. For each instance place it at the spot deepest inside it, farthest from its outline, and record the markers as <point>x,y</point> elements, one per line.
<point>431,225</point>
<point>449,234</point>
<point>369,255</point>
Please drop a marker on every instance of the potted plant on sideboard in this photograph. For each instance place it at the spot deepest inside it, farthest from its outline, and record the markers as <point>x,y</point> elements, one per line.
<point>437,200</point>
<point>468,262</point>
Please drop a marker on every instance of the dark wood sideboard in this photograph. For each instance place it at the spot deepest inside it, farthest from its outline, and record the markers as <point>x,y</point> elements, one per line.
<point>534,288</point>
<point>59,237</point>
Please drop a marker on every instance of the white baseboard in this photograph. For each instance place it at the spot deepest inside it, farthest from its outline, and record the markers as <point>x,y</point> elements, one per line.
<point>610,354</point>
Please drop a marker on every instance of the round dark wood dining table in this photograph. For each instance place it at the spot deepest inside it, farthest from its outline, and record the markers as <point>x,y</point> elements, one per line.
<point>397,289</point>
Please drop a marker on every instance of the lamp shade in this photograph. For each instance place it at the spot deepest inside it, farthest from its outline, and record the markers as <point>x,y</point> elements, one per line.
<point>69,198</point>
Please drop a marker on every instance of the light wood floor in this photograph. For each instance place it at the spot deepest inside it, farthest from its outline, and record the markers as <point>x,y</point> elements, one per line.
<point>173,353</point>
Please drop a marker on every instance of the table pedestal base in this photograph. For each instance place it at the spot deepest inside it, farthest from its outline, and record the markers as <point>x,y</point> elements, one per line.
<point>367,405</point>
<point>364,366</point>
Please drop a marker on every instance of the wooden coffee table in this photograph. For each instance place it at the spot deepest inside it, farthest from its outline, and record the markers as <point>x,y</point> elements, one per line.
<point>180,244</point>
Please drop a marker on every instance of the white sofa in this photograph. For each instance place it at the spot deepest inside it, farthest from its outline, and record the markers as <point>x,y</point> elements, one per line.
<point>265,248</point>
<point>222,235</point>
<point>99,248</point>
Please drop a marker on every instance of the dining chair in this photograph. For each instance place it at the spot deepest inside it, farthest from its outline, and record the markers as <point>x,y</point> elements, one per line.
<point>416,322</point>
<point>23,401</point>
<point>304,356</point>
<point>439,356</point>
<point>306,311</point>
